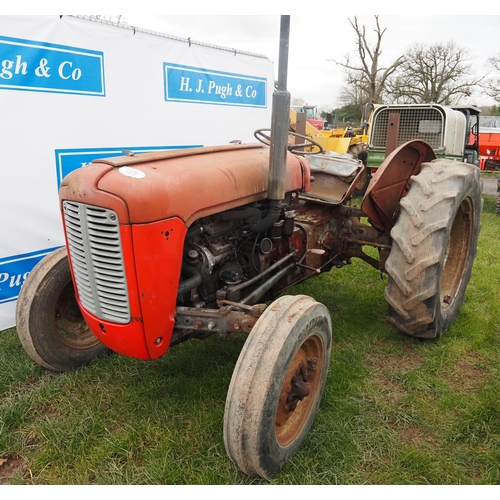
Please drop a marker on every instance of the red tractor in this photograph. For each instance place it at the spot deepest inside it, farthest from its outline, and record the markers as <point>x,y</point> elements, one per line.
<point>165,247</point>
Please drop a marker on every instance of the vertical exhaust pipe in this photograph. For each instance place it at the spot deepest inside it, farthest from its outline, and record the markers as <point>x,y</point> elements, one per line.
<point>279,135</point>
<point>280,120</point>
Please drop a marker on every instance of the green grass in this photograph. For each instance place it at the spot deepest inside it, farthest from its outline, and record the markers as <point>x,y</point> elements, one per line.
<point>489,173</point>
<point>395,410</point>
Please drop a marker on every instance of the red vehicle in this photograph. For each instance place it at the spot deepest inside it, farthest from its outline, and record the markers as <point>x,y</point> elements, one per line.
<point>168,246</point>
<point>489,148</point>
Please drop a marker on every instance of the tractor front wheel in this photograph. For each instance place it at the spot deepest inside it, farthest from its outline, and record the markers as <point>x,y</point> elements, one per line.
<point>434,246</point>
<point>276,387</point>
<point>48,320</point>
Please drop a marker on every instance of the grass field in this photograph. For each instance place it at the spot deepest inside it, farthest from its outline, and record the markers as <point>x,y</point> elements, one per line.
<point>395,410</point>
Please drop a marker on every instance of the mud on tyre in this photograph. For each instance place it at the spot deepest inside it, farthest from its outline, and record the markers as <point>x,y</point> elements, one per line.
<point>276,387</point>
<point>434,247</point>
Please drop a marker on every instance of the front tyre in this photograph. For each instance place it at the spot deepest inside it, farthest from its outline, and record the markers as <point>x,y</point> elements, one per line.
<point>48,320</point>
<point>434,247</point>
<point>276,387</point>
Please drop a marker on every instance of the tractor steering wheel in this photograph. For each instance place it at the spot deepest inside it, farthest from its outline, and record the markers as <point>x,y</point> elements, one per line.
<point>263,135</point>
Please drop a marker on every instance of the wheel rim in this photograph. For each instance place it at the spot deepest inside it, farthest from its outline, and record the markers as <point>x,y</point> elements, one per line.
<point>299,390</point>
<point>69,325</point>
<point>457,253</point>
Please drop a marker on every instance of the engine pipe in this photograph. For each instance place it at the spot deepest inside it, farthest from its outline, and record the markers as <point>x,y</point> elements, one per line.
<point>194,279</point>
<point>241,286</point>
<point>273,213</point>
<point>259,292</point>
<point>196,230</point>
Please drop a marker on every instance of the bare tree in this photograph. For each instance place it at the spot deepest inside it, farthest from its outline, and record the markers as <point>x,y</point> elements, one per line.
<point>352,94</point>
<point>364,74</point>
<point>492,86</point>
<point>298,101</point>
<point>438,73</point>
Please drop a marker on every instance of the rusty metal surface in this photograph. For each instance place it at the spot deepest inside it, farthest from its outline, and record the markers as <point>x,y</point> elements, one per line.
<point>391,182</point>
<point>301,124</point>
<point>321,230</point>
<point>391,142</point>
<point>299,389</point>
<point>328,189</point>
<point>188,187</point>
<point>224,320</point>
<point>137,159</point>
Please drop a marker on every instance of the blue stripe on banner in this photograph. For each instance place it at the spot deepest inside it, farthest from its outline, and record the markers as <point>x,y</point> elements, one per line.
<point>204,86</point>
<point>45,67</point>
<point>15,269</point>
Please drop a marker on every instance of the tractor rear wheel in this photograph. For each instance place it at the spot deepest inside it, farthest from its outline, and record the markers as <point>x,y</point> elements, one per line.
<point>48,320</point>
<point>276,387</point>
<point>434,247</point>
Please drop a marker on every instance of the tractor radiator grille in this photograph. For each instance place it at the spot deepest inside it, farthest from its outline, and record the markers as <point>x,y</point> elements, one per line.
<point>95,251</point>
<point>424,124</point>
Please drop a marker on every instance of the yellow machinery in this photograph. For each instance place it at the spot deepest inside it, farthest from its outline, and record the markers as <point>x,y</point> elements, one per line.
<point>339,140</point>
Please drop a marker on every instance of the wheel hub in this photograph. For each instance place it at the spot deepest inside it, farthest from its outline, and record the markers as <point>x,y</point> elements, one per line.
<point>457,253</point>
<point>299,391</point>
<point>300,385</point>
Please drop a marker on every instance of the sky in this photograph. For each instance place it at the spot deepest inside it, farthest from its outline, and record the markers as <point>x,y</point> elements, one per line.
<point>320,32</point>
<point>324,35</point>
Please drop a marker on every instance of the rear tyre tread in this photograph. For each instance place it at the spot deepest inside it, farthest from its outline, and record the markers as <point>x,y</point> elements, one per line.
<point>420,239</point>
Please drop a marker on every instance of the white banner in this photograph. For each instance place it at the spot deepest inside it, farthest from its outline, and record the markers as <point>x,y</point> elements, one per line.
<point>73,90</point>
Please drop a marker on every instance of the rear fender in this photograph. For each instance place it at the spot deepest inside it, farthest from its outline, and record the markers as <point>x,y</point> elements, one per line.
<point>391,182</point>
